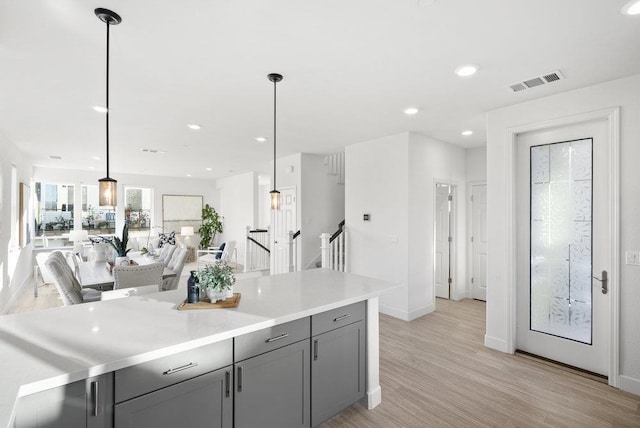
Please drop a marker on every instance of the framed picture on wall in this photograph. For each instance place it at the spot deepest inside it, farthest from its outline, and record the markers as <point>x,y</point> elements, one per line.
<point>25,215</point>
<point>181,210</point>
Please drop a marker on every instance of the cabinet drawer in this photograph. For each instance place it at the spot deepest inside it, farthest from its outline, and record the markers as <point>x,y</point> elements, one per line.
<point>268,339</point>
<point>146,377</point>
<point>335,318</point>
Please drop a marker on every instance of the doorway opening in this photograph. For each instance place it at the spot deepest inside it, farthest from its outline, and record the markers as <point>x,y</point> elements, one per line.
<point>444,240</point>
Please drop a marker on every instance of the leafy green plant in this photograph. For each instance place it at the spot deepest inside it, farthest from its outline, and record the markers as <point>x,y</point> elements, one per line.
<point>211,224</point>
<point>217,276</point>
<point>121,244</point>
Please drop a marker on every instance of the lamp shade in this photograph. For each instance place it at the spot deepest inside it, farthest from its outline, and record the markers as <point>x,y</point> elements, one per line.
<point>186,231</point>
<point>108,193</point>
<point>78,235</point>
<point>275,199</point>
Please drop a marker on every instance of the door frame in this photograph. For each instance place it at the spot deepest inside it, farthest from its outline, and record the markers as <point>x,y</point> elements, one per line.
<point>453,225</point>
<point>612,116</point>
<point>469,244</point>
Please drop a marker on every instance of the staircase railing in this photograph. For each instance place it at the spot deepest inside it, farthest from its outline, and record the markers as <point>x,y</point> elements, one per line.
<point>333,249</point>
<point>257,253</point>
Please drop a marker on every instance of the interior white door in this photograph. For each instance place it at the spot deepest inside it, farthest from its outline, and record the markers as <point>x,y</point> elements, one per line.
<point>479,241</point>
<point>563,241</point>
<point>283,221</point>
<point>442,240</point>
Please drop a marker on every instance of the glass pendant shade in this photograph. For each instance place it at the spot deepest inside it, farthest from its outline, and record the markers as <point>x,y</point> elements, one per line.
<point>108,193</point>
<point>275,199</point>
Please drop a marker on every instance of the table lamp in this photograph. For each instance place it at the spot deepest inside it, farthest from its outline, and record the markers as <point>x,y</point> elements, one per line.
<point>187,232</point>
<point>77,236</point>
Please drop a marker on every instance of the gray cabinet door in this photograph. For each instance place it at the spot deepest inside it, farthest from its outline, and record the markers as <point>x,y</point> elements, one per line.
<point>272,389</point>
<point>337,371</point>
<point>86,403</point>
<point>204,401</point>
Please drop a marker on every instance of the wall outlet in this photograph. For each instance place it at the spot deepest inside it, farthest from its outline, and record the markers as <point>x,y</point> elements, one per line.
<point>632,258</point>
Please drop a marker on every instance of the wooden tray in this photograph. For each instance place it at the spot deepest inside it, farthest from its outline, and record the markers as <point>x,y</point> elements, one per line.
<point>206,304</point>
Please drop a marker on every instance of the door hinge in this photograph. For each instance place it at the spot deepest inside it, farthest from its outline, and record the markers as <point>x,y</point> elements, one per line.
<point>450,281</point>
<point>471,198</point>
<point>450,198</point>
<point>450,239</point>
<point>472,280</point>
<point>472,239</point>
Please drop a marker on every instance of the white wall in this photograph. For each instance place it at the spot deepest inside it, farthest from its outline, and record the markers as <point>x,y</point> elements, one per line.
<point>626,94</point>
<point>393,179</point>
<point>238,205</point>
<point>376,183</point>
<point>322,207</point>
<point>15,263</point>
<point>476,164</point>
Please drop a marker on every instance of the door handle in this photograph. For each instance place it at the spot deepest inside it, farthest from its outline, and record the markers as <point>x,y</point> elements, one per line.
<point>604,281</point>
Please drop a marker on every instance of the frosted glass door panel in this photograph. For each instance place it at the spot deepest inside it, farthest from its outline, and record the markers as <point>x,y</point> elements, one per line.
<point>561,239</point>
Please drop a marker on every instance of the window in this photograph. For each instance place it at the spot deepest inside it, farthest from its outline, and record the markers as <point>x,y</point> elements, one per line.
<point>138,208</point>
<point>53,209</point>
<point>96,220</point>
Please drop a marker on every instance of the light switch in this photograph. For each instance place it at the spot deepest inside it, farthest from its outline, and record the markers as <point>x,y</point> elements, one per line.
<point>632,258</point>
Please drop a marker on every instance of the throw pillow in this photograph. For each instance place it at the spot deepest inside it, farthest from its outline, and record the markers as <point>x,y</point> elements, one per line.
<point>166,238</point>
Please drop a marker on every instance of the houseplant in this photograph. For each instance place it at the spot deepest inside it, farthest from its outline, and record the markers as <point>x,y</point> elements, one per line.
<point>120,246</point>
<point>211,224</point>
<point>216,280</point>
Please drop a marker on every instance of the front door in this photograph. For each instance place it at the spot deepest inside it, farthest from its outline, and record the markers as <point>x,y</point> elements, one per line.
<point>563,242</point>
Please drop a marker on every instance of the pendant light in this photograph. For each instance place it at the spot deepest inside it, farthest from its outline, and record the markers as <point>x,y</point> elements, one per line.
<point>107,187</point>
<point>275,195</point>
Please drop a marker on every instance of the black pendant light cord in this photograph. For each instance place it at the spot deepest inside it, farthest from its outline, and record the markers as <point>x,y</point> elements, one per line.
<point>107,106</point>
<point>274,134</point>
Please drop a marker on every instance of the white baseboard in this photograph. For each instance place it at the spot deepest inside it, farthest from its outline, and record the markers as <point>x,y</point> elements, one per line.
<point>404,315</point>
<point>629,384</point>
<point>497,344</point>
<point>374,398</point>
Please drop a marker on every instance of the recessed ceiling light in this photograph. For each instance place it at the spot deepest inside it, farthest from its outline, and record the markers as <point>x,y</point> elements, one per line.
<point>193,126</point>
<point>631,8</point>
<point>410,111</point>
<point>92,167</point>
<point>95,158</point>
<point>261,139</point>
<point>99,109</point>
<point>467,133</point>
<point>209,169</point>
<point>188,175</point>
<point>466,70</point>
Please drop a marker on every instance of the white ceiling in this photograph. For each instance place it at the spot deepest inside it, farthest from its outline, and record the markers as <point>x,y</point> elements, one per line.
<point>350,68</point>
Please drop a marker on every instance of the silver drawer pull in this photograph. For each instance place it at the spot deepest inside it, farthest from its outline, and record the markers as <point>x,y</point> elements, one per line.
<point>95,388</point>
<point>273,339</point>
<point>179,369</point>
<point>341,317</point>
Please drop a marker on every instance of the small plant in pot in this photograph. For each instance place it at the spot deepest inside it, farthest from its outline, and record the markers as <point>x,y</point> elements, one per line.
<point>120,245</point>
<point>216,280</point>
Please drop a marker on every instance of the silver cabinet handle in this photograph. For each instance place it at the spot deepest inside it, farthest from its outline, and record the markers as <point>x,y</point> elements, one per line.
<point>95,387</point>
<point>604,281</point>
<point>227,383</point>
<point>179,369</point>
<point>239,379</point>
<point>273,339</point>
<point>342,317</point>
<point>315,350</point>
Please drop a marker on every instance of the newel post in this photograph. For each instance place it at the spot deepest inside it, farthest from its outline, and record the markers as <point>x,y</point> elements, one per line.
<point>325,250</point>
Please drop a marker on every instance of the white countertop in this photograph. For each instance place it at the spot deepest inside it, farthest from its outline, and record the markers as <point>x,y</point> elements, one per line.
<point>44,349</point>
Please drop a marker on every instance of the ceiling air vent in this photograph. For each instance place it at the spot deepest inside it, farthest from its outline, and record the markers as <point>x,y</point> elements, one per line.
<point>537,81</point>
<point>55,157</point>
<point>152,151</point>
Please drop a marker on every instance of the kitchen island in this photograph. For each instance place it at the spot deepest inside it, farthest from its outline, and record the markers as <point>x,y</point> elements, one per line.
<point>56,347</point>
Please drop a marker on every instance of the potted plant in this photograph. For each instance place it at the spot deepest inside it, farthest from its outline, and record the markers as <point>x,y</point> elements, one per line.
<point>211,224</point>
<point>216,280</point>
<point>120,246</point>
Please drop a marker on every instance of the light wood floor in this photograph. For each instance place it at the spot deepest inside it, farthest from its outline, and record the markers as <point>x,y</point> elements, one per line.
<point>436,372</point>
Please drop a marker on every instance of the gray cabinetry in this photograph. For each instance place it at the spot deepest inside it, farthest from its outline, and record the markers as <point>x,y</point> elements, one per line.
<point>338,361</point>
<point>272,388</point>
<point>204,401</point>
<point>189,389</point>
<point>86,403</point>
